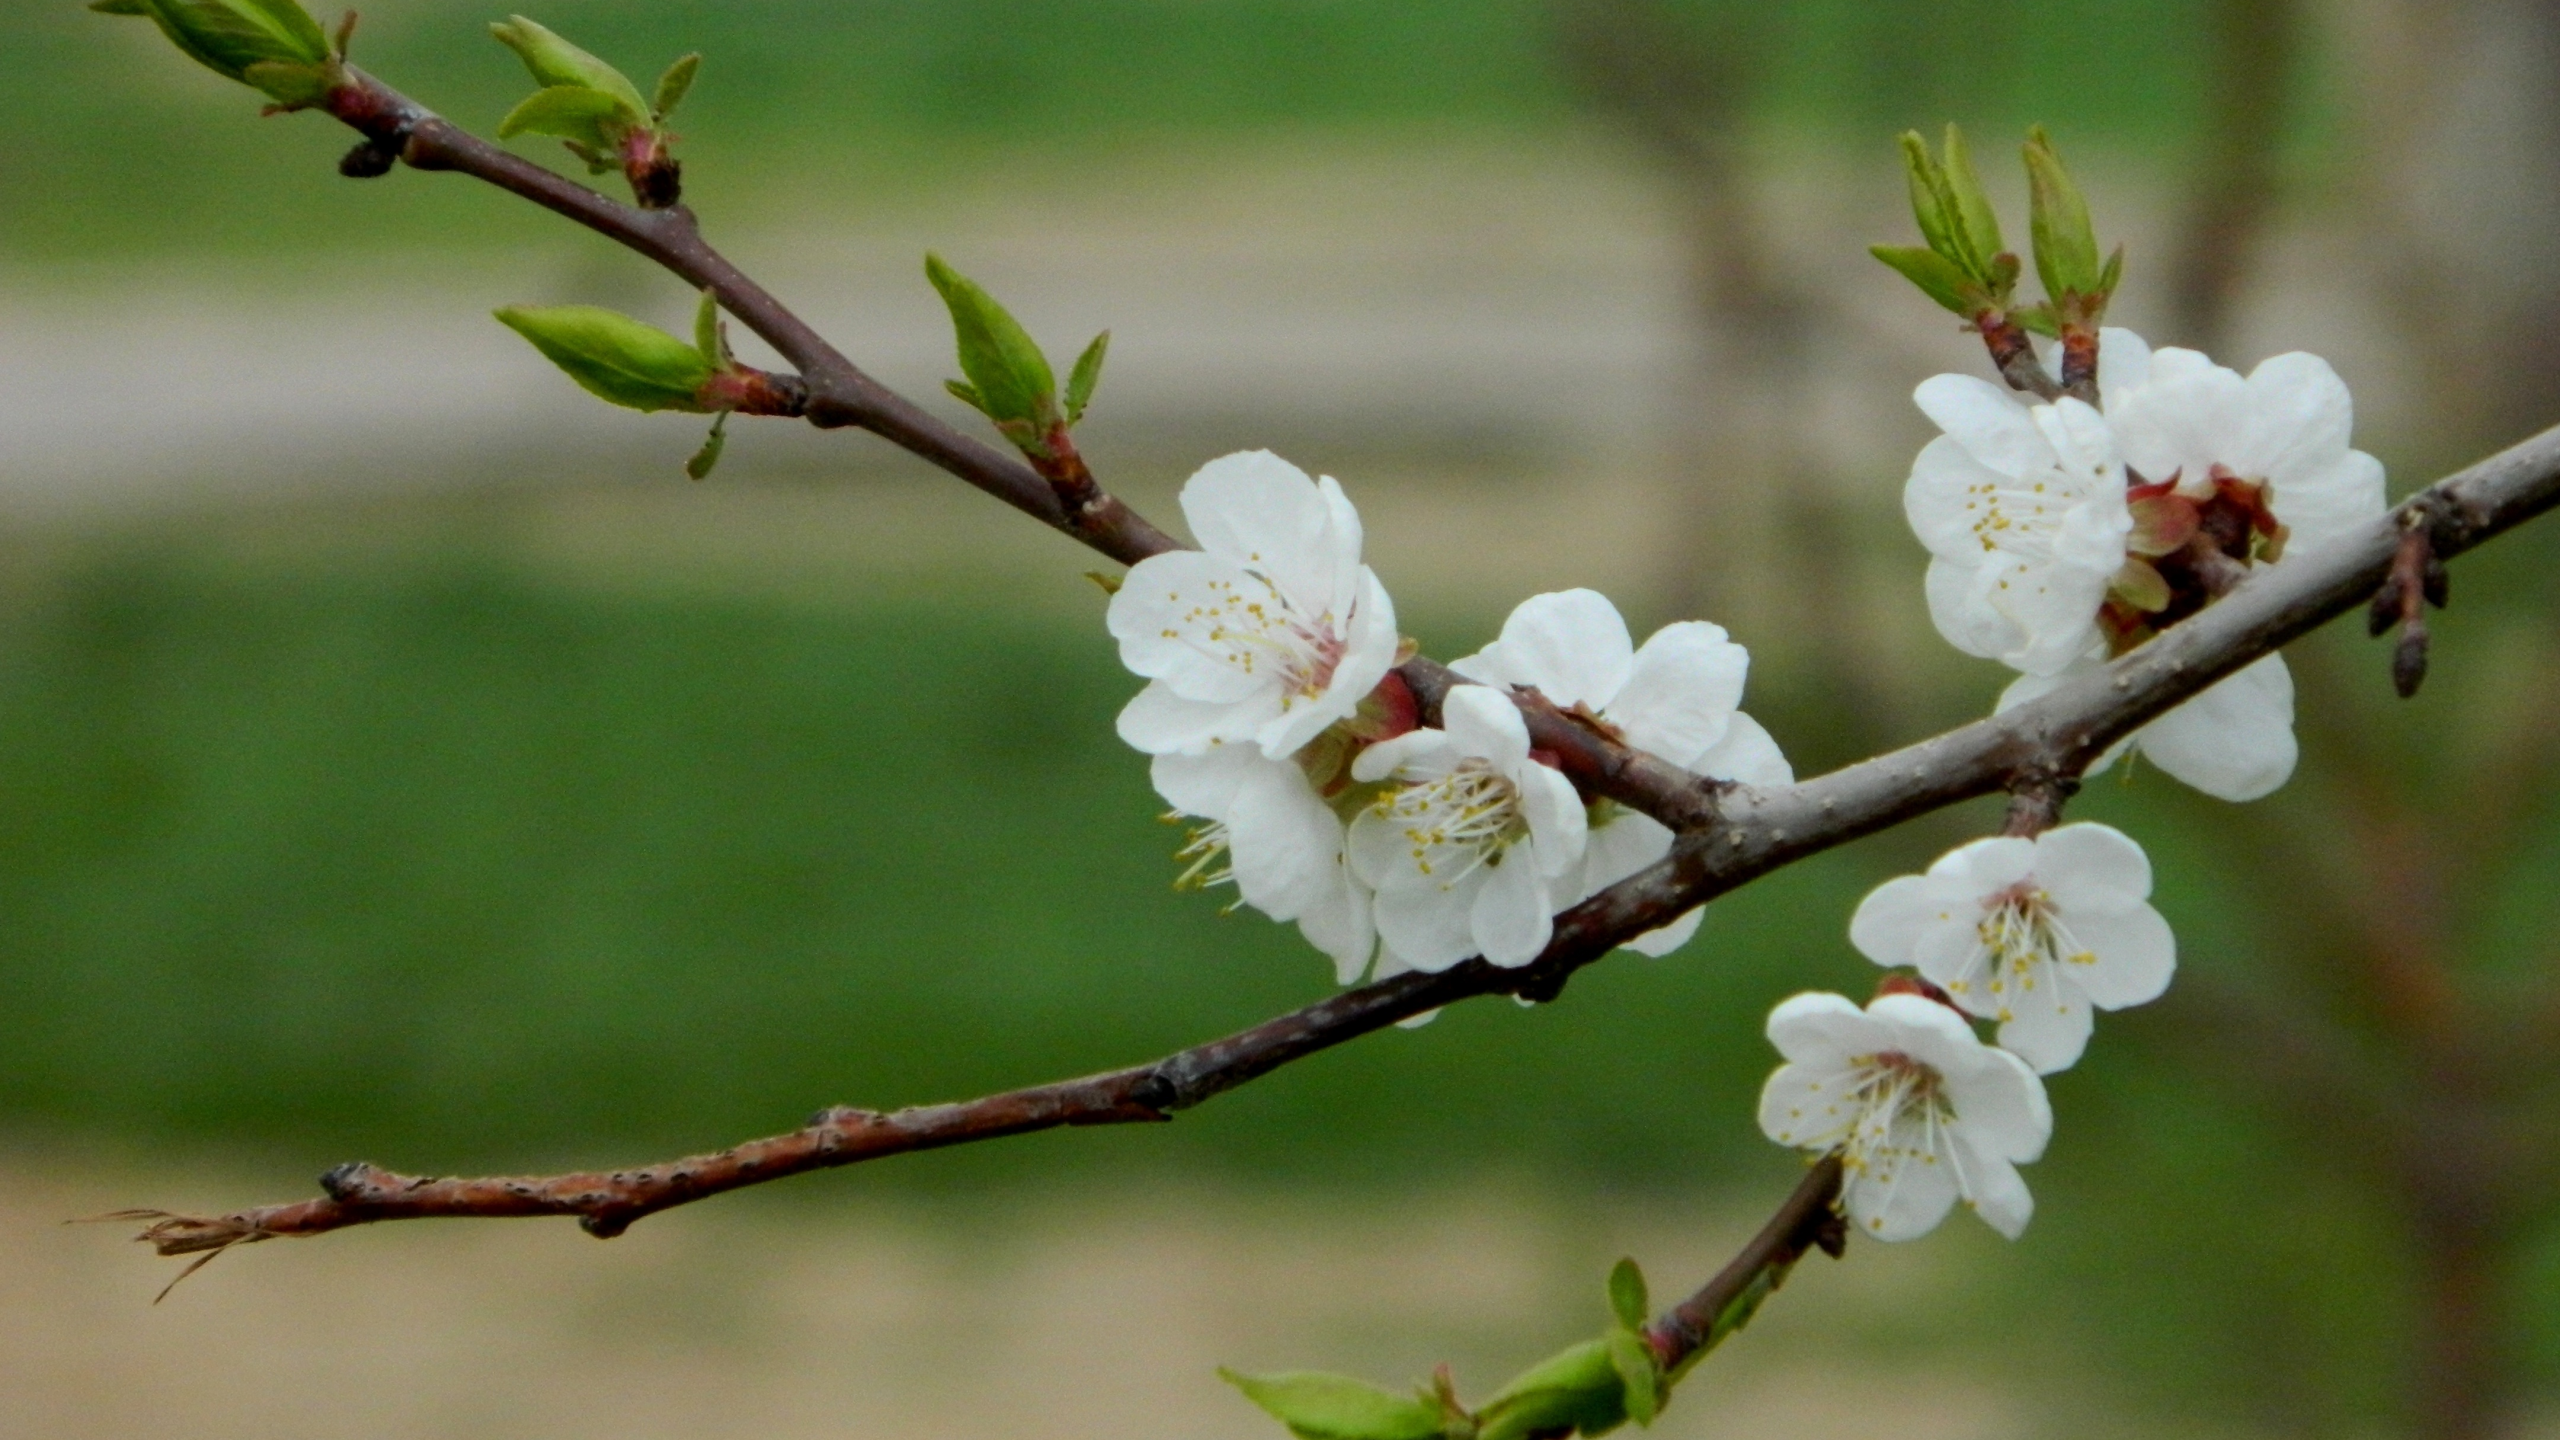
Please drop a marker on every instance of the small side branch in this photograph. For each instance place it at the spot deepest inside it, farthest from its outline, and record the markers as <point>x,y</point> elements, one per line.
<point>2015,355</point>
<point>1809,1220</point>
<point>2418,579</point>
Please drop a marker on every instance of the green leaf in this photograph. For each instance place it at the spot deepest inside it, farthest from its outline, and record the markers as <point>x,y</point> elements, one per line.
<point>1971,212</point>
<point>1577,1387</point>
<point>2112,275</point>
<point>706,331</point>
<point>1936,275</point>
<point>1627,1295</point>
<point>291,84</point>
<point>966,394</point>
<point>614,357</point>
<point>1086,375</point>
<point>2038,320</point>
<point>1928,193</point>
<point>709,455</point>
<point>572,112</point>
<point>1317,1406</point>
<point>673,85</point>
<point>1639,1375</point>
<point>2066,246</point>
<point>229,36</point>
<point>554,61</point>
<point>1012,378</point>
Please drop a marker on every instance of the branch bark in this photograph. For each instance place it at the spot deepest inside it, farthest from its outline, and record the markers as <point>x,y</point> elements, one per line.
<point>1729,834</point>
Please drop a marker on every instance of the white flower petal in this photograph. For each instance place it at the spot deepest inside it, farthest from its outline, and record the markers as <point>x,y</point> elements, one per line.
<point>1347,571</point>
<point>1340,925</point>
<point>1807,1105</point>
<point>1991,425</point>
<point>1987,865</point>
<point>2323,505</point>
<point>1165,616</point>
<point>1888,924</point>
<point>1204,785</point>
<point>1484,722</point>
<point>1906,1189</point>
<point>1959,605</point>
<point>1996,1191</point>
<point>1945,479</point>
<point>1821,1029</point>
<point>2001,1104</point>
<point>1286,844</point>
<point>2299,418</point>
<point>1412,754</point>
<point>2089,868</point>
<point>2124,363</point>
<point>1680,691</point>
<point>2048,1026</point>
<point>1612,852</point>
<point>1670,937</point>
<point>1259,512</point>
<point>2182,420</point>
<point>2137,955</point>
<point>2234,741</point>
<point>1430,928</point>
<point>1571,644</point>
<point>1510,918</point>
<point>1157,721</point>
<point>1747,754</point>
<point>1558,825</point>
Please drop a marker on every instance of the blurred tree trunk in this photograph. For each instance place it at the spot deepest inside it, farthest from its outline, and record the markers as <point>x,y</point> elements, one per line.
<point>2254,50</point>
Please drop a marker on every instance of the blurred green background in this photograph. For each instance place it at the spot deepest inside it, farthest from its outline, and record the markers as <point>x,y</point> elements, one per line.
<point>460,795</point>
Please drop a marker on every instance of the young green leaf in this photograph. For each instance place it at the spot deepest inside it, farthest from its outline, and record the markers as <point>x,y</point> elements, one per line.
<point>1086,375</point>
<point>1973,218</point>
<point>614,357</point>
<point>2112,275</point>
<point>554,61</point>
<point>1014,384</point>
<point>967,394</point>
<point>709,455</point>
<point>672,86</point>
<point>1639,1376</point>
<point>1317,1406</point>
<point>229,36</point>
<point>1577,1387</point>
<point>706,331</point>
<point>2066,246</point>
<point>1627,1295</point>
<point>1929,202</point>
<point>571,112</point>
<point>1935,274</point>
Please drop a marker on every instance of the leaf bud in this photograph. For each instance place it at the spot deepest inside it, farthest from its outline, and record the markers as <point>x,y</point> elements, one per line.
<point>1576,1388</point>
<point>1009,380</point>
<point>616,358</point>
<point>273,45</point>
<point>2066,246</point>
<point>1317,1406</point>
<point>555,62</point>
<point>1627,1295</point>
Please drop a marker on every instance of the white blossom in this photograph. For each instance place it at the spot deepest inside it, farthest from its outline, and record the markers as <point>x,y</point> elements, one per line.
<point>2029,932</point>
<point>1269,833</point>
<point>1474,846</point>
<point>2234,741</point>
<point>2023,511</point>
<point>1268,633</point>
<point>1922,1112</point>
<point>1675,698</point>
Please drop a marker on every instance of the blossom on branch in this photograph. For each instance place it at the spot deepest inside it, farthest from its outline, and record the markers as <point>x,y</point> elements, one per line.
<point>1475,844</point>
<point>2029,932</point>
<point>1268,633</point>
<point>1922,1112</point>
<point>1675,698</point>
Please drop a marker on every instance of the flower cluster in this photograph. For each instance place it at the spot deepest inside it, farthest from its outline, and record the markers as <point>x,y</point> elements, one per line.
<point>1279,727</point>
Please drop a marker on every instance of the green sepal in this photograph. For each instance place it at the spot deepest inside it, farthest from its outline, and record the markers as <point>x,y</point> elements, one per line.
<point>1969,209</point>
<point>699,467</point>
<point>1639,1375</point>
<point>1936,275</point>
<point>614,357</point>
<point>1110,583</point>
<point>1085,376</point>
<point>229,36</point>
<point>589,116</point>
<point>342,36</point>
<point>597,161</point>
<point>2066,246</point>
<point>1014,385</point>
<point>1317,1406</point>
<point>2139,584</point>
<point>1627,1299</point>
<point>1576,1387</point>
<point>554,61</point>
<point>2111,275</point>
<point>672,86</point>
<point>2038,320</point>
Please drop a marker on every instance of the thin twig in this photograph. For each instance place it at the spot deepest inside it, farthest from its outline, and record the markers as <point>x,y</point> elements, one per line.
<point>1808,1220</point>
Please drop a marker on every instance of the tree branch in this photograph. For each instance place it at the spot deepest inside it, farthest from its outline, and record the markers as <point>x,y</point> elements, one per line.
<point>1809,1219</point>
<point>1752,832</point>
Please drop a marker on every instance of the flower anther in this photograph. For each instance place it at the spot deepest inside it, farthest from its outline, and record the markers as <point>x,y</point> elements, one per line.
<point>1922,1113</point>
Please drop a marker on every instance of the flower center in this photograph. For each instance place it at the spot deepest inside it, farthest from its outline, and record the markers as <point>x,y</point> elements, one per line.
<point>1451,824</point>
<point>1256,628</point>
<point>1902,1117</point>
<point>2020,941</point>
<point>2186,551</point>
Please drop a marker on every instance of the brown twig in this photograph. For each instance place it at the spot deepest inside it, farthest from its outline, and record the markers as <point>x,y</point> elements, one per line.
<point>2418,579</point>
<point>1810,1219</point>
<point>2015,355</point>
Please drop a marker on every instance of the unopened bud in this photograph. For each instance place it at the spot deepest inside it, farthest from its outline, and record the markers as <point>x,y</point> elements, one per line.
<point>616,358</point>
<point>2066,246</point>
